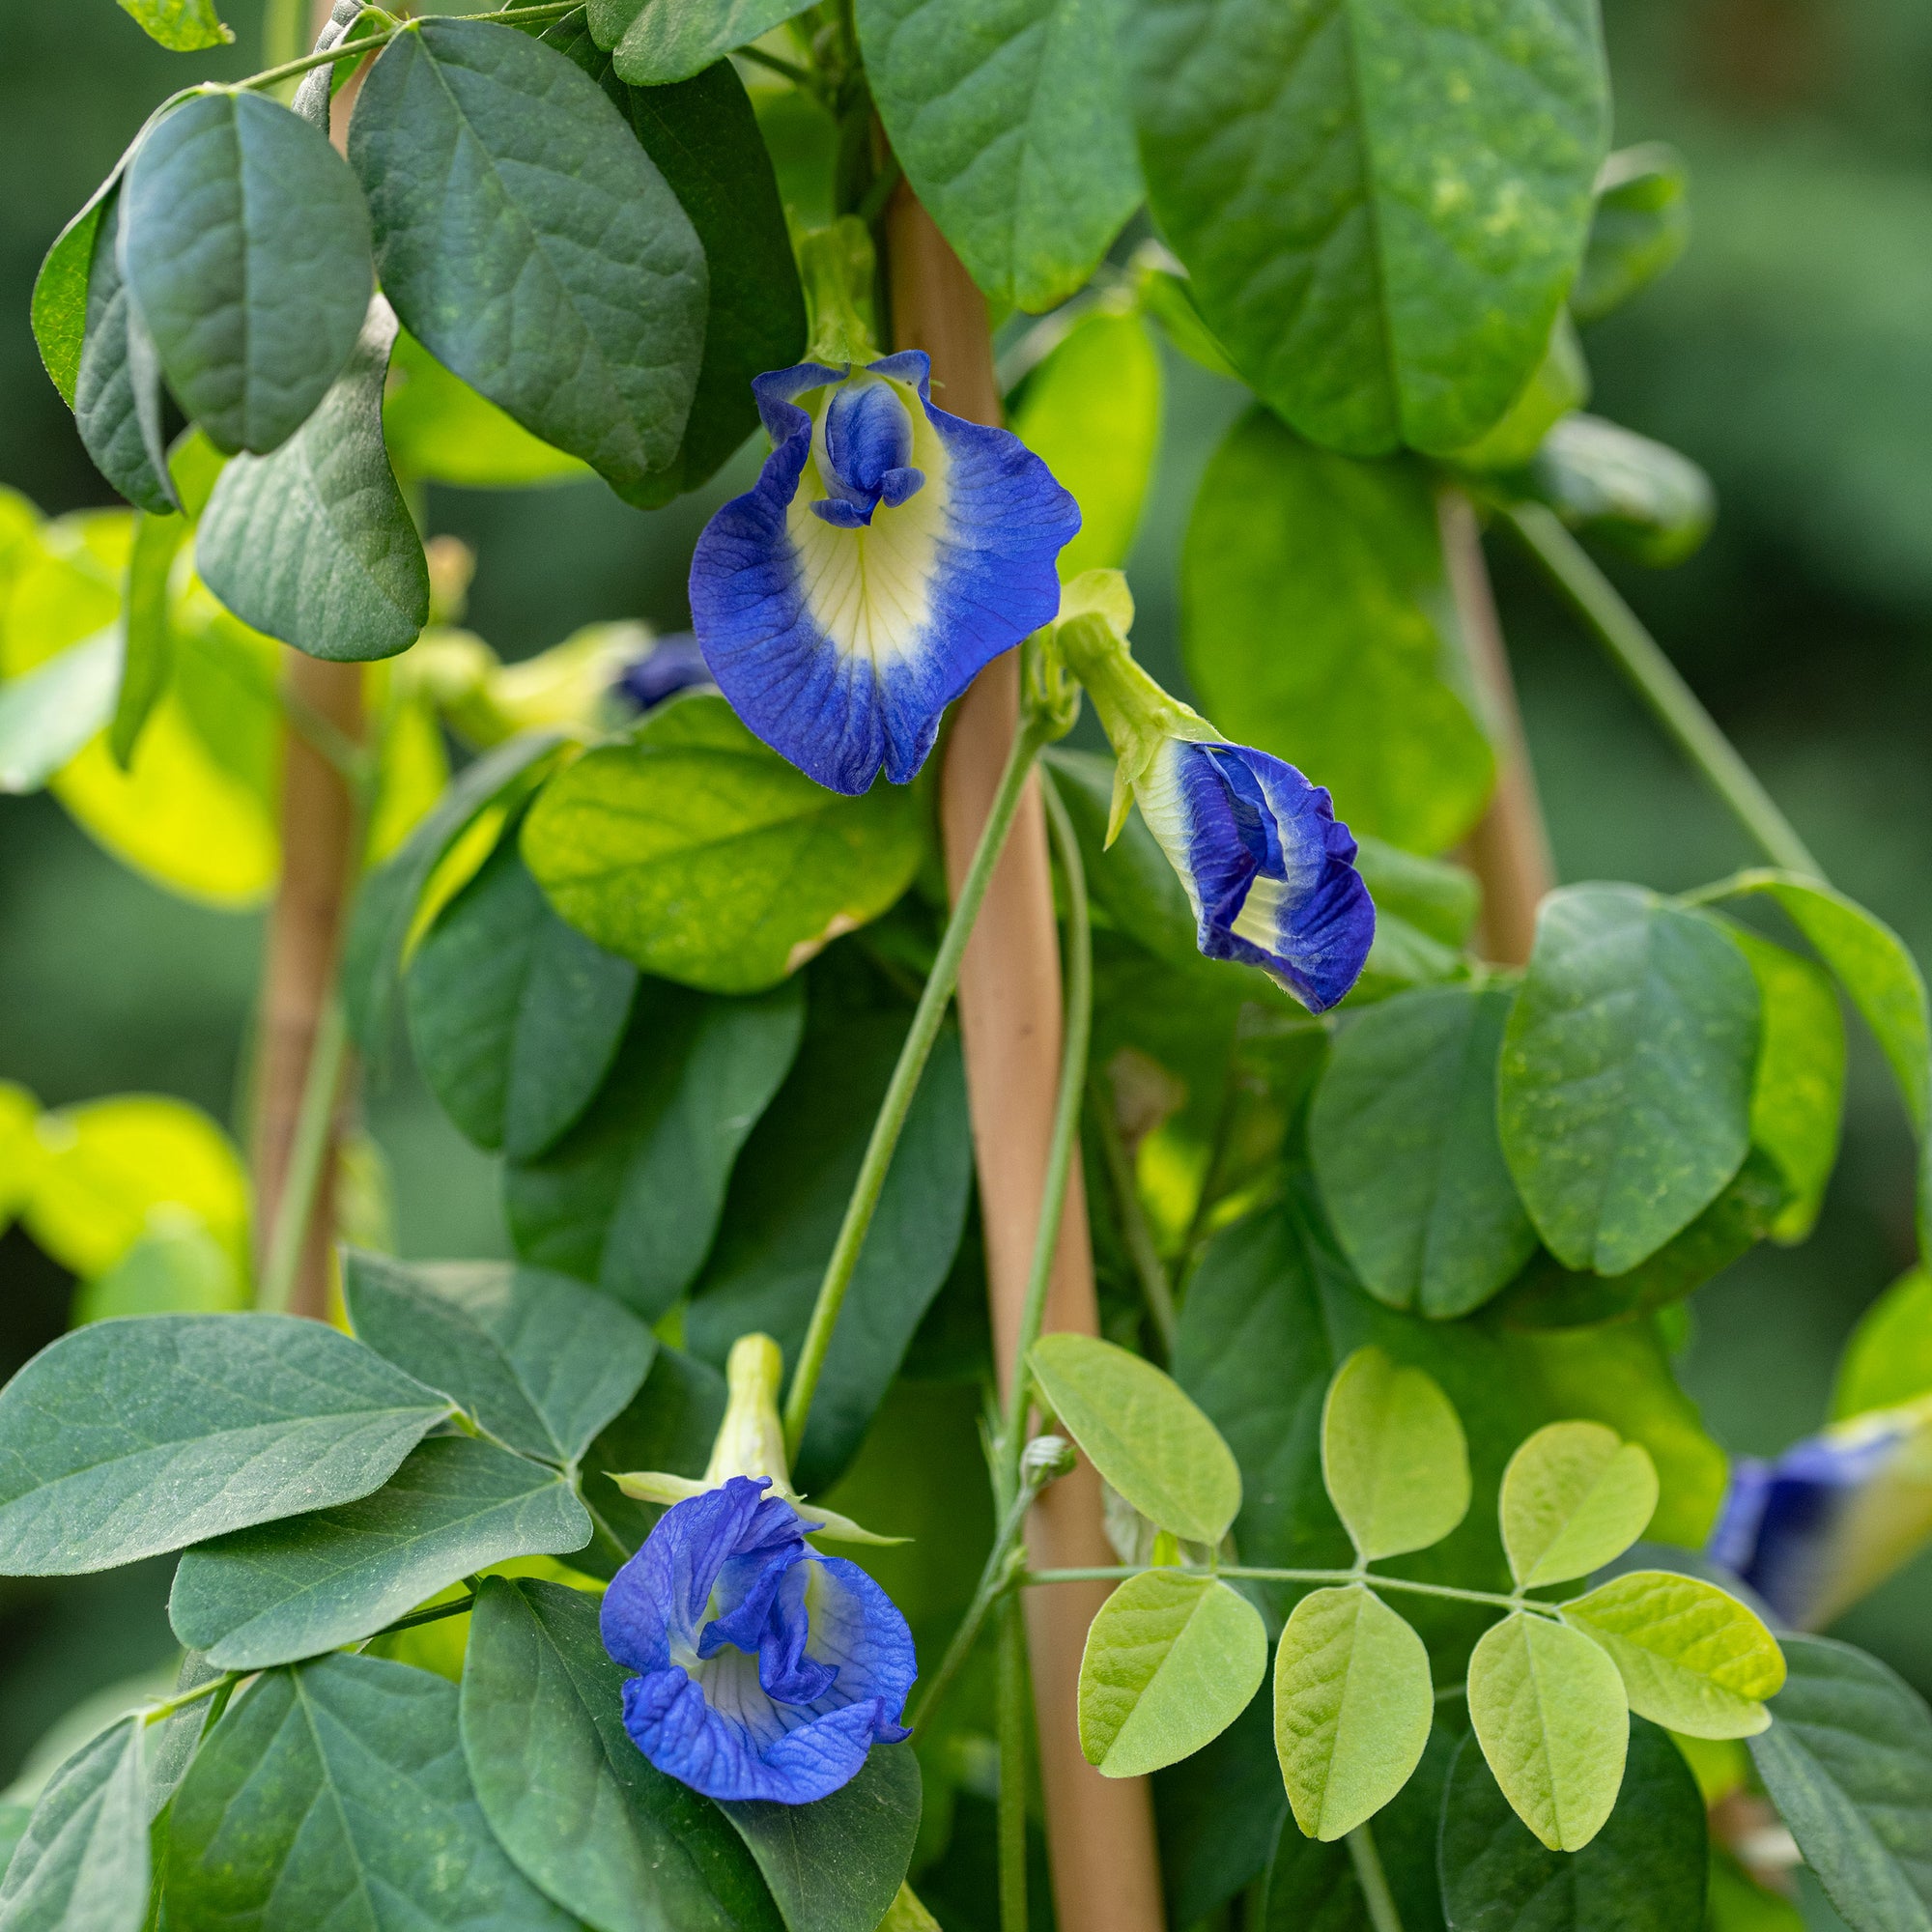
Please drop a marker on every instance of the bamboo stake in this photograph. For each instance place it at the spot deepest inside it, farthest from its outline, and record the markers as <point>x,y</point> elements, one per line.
<point>1509,850</point>
<point>1101,1831</point>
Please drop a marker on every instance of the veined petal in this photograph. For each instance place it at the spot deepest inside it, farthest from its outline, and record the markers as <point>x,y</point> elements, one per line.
<point>1267,866</point>
<point>841,642</point>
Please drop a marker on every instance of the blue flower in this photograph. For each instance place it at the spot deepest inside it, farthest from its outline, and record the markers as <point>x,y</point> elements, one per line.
<point>1268,869</point>
<point>887,553</point>
<point>670,664</point>
<point>765,1670</point>
<point>1833,1517</point>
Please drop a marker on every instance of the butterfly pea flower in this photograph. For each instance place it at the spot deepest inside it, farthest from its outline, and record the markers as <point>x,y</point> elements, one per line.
<point>1268,868</point>
<point>1815,1529</point>
<point>764,1669</point>
<point>889,552</point>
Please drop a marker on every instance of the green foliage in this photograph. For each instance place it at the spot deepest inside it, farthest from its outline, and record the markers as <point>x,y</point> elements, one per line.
<point>82,1861</point>
<point>1010,117</point>
<point>602,268</point>
<point>1289,540</point>
<point>128,1437</point>
<point>625,843</point>
<point>1393,1455</point>
<point>313,544</point>
<point>1404,1139</point>
<point>1574,1497</point>
<point>1848,1763</point>
<point>1142,1433</point>
<point>1170,1662</point>
<point>1624,1085</point>
<point>1352,1708</point>
<point>247,256</point>
<point>1381,254</point>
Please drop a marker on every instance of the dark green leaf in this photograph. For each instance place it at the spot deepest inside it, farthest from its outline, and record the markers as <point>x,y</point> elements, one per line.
<point>127,1438</point>
<point>117,391</point>
<point>542,1362</point>
<point>1640,226</point>
<point>571,1799</point>
<point>783,1215</point>
<point>1848,1763</point>
<point>1643,1872</point>
<point>1010,117</point>
<point>514,1015</point>
<point>702,134</point>
<point>1381,249</point>
<point>337,1796</point>
<point>289,1590</point>
<point>1404,1139</point>
<point>314,544</point>
<point>836,1865</point>
<point>575,300</point>
<point>1344,558</point>
<point>671,1424</point>
<point>631,1197</point>
<point>82,1864</point>
<point>385,906</point>
<point>1612,483</point>
<point>699,853</point>
<point>183,26</point>
<point>656,40</point>
<point>1625,1088</point>
<point>148,660</point>
<point>247,254</point>
<point>50,713</point>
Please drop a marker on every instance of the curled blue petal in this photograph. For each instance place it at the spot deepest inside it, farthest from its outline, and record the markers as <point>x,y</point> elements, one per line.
<point>889,553</point>
<point>1268,869</point>
<point>670,664</point>
<point>764,1669</point>
<point>1833,1517</point>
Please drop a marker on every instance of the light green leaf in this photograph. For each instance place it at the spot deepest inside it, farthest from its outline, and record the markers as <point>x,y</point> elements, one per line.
<point>1380,233</point>
<point>1090,413</point>
<point>149,653</point>
<point>183,26</point>
<point>583,1811</point>
<point>48,713</point>
<point>1403,1134</point>
<point>700,854</point>
<point>1798,1099</point>
<point>1393,1455</point>
<point>1889,1358</point>
<point>1849,1766</point>
<point>630,1198</point>
<point>1353,1707</point>
<point>659,40</point>
<point>336,1795</point>
<point>1341,562</point>
<point>1575,1496</point>
<point>1551,1715</point>
<point>177,1267</point>
<point>1641,224</point>
<point>1641,496</point>
<point>1142,1433</point>
<point>1625,1087</point>
<point>124,1438</point>
<point>439,430</point>
<point>117,394</point>
<point>542,1362</point>
<point>289,1590</point>
<point>515,1017</point>
<point>1692,1656</point>
<point>247,251</point>
<point>1172,1659</point>
<point>1010,117</point>
<point>587,248</point>
<point>313,544</point>
<point>82,1863</point>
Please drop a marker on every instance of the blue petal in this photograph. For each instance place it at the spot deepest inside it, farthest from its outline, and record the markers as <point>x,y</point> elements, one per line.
<point>1269,870</point>
<point>840,644</point>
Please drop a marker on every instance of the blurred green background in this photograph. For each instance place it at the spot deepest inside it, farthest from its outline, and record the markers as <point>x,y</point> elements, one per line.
<point>1790,352</point>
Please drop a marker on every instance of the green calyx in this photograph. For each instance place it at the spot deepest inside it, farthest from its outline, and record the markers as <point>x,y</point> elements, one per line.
<point>838,266</point>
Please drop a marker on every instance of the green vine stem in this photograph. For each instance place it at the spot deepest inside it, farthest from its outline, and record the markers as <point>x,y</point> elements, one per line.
<point>1119,1573</point>
<point>308,1151</point>
<point>893,1110</point>
<point>1657,681</point>
<point>1372,1880</point>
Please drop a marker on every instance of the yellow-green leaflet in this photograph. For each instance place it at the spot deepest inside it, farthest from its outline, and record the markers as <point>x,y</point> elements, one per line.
<point>1690,1655</point>
<point>1352,1706</point>
<point>1550,1714</point>
<point>1393,1455</point>
<point>1170,1662</point>
<point>1573,1496</point>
